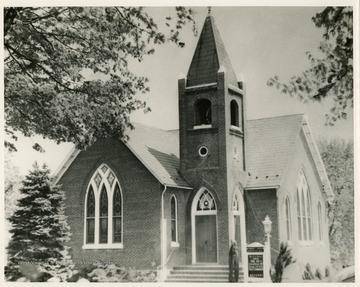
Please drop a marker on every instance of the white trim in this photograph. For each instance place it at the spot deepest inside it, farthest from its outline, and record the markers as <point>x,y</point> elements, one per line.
<point>199,127</point>
<point>195,212</point>
<point>277,187</point>
<point>62,168</point>
<point>103,246</point>
<point>176,242</point>
<point>241,213</point>
<point>201,86</point>
<point>236,89</point>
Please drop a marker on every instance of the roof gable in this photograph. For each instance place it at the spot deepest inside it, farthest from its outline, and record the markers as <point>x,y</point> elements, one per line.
<point>270,145</point>
<point>210,54</point>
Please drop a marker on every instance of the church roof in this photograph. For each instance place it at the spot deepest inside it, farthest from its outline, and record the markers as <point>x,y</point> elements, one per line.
<point>158,150</point>
<point>270,144</point>
<point>210,54</point>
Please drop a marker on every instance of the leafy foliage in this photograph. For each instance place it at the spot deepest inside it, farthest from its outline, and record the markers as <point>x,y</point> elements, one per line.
<point>50,50</point>
<point>39,232</point>
<point>332,75</point>
<point>338,157</point>
<point>283,260</point>
<point>308,273</point>
<point>104,272</point>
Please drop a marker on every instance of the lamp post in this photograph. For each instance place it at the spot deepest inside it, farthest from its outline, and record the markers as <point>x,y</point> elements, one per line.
<point>267,264</point>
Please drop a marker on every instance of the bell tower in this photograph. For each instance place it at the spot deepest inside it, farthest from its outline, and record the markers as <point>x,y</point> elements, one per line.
<point>212,141</point>
<point>211,111</point>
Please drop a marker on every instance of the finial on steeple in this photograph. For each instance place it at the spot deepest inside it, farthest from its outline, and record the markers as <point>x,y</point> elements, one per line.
<point>209,10</point>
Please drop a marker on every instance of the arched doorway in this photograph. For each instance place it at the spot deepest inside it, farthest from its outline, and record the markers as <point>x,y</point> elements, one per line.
<point>204,228</point>
<point>238,221</point>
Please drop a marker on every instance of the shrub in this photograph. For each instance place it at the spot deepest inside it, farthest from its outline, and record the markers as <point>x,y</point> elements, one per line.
<point>282,261</point>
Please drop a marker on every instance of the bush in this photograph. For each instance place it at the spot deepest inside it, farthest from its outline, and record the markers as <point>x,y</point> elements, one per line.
<point>283,260</point>
<point>101,272</point>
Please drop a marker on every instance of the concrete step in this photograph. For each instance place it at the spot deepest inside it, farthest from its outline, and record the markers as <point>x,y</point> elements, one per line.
<point>201,273</point>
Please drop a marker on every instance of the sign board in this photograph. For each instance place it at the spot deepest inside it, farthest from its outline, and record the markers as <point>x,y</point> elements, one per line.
<point>256,265</point>
<point>255,253</point>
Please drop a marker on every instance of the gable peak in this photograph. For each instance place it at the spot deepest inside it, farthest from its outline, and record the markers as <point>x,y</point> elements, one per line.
<point>210,54</point>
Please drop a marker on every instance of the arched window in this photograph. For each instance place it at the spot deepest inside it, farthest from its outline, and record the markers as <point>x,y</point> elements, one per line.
<point>304,208</point>
<point>320,221</point>
<point>103,211</point>
<point>174,232</point>
<point>206,202</point>
<point>90,217</point>
<point>287,219</point>
<point>203,112</point>
<point>234,113</point>
<point>117,213</point>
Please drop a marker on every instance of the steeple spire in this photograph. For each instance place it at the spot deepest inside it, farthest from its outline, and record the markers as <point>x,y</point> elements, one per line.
<point>209,55</point>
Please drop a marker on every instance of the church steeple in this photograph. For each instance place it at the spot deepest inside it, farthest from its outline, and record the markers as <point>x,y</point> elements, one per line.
<point>209,56</point>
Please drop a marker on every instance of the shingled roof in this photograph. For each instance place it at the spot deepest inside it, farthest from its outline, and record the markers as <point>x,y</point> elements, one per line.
<point>270,147</point>
<point>270,144</point>
<point>210,54</point>
<point>158,150</point>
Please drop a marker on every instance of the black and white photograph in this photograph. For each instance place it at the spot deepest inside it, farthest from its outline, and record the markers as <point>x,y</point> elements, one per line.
<point>206,143</point>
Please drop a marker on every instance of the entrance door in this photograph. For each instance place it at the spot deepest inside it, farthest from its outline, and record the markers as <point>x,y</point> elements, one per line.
<point>204,228</point>
<point>206,239</point>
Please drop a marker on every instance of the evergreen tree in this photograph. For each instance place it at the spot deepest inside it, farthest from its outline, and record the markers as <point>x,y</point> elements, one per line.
<point>39,231</point>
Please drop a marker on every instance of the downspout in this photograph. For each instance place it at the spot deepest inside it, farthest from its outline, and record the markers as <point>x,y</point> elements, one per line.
<point>162,239</point>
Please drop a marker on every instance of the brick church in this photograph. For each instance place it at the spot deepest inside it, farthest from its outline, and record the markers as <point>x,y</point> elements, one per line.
<point>179,198</point>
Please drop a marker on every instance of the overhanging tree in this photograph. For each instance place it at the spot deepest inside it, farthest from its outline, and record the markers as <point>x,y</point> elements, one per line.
<point>39,230</point>
<point>330,76</point>
<point>338,157</point>
<point>47,50</point>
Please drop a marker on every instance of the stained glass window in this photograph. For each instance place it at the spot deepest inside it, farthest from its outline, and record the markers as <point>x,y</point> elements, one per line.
<point>117,213</point>
<point>173,205</point>
<point>103,214</point>
<point>103,220</point>
<point>90,217</point>
<point>206,201</point>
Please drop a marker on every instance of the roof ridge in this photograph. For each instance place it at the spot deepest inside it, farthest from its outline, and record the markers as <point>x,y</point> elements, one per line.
<point>273,117</point>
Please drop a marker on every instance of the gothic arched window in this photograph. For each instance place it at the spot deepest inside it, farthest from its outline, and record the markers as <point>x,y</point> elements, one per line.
<point>103,211</point>
<point>287,218</point>
<point>90,217</point>
<point>173,205</point>
<point>304,208</point>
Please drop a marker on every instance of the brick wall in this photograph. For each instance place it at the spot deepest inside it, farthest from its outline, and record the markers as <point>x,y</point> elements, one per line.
<point>258,204</point>
<point>141,206</point>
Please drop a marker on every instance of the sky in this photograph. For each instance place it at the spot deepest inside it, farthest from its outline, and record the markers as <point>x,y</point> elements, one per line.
<point>261,42</point>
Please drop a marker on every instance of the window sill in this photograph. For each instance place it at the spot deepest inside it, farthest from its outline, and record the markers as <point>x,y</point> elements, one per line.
<point>234,130</point>
<point>198,127</point>
<point>175,244</point>
<point>103,246</point>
